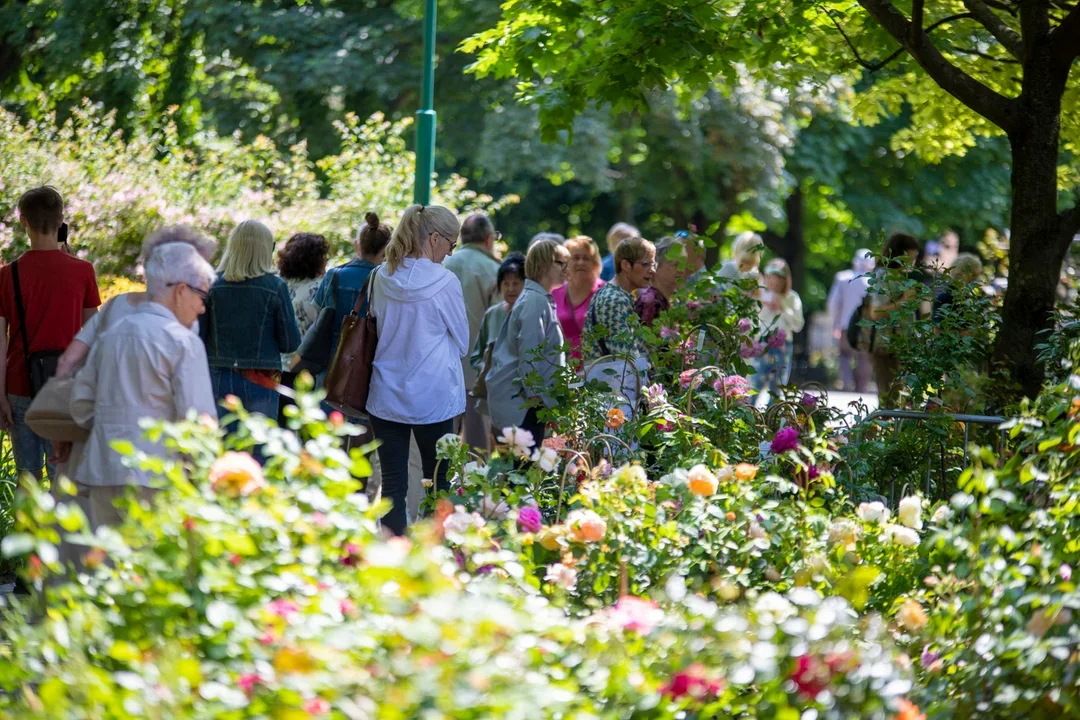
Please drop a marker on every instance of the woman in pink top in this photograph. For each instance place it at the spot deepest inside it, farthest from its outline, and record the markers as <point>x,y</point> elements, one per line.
<point>572,299</point>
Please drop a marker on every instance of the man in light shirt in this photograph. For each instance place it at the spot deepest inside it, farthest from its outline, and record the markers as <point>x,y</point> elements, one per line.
<point>476,268</point>
<point>846,295</point>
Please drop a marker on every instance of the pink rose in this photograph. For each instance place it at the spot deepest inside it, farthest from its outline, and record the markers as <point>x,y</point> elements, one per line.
<point>636,614</point>
<point>530,520</point>
<point>786,439</point>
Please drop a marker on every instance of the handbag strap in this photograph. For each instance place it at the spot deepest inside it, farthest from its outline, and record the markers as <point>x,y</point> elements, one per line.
<point>366,291</point>
<point>600,341</point>
<point>22,318</point>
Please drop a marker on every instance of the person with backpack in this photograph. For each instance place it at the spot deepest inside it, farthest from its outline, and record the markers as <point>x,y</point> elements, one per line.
<point>45,297</point>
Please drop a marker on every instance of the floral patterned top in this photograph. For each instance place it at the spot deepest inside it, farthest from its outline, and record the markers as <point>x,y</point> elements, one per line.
<point>302,293</point>
<point>612,309</point>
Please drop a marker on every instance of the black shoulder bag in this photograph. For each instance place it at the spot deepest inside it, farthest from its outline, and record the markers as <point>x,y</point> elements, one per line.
<point>318,341</point>
<point>41,365</point>
<point>600,340</point>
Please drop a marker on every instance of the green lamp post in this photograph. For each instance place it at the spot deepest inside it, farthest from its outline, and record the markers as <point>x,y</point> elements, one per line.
<point>425,116</point>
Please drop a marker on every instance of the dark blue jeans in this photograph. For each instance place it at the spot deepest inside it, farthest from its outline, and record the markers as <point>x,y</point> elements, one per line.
<point>394,459</point>
<point>256,398</point>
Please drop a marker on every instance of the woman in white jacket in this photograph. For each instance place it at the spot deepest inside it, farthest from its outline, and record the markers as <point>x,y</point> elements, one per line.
<point>781,316</point>
<point>417,386</point>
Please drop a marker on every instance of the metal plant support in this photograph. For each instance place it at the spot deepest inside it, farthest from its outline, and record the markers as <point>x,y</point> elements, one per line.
<point>900,415</point>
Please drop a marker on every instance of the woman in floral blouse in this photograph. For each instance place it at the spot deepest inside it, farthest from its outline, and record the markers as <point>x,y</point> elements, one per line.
<point>301,264</point>
<point>611,325</point>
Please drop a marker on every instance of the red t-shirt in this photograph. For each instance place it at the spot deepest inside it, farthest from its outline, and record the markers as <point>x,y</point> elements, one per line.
<point>56,287</point>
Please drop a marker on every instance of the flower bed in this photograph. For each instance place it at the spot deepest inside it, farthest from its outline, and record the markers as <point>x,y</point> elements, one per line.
<point>695,559</point>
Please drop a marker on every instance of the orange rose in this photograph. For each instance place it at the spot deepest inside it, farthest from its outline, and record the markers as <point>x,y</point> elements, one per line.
<point>615,418</point>
<point>745,471</point>
<point>701,481</point>
<point>909,711</point>
<point>235,474</point>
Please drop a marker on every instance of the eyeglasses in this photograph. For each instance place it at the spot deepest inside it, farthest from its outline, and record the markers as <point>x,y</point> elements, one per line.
<point>650,265</point>
<point>201,293</point>
<point>453,243</point>
<point>561,263</point>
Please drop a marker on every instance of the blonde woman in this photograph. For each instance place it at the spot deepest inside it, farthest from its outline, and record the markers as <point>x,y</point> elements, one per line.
<point>781,316</point>
<point>249,321</point>
<point>745,258</point>
<point>417,384</point>
<point>572,299</point>
<point>530,343</point>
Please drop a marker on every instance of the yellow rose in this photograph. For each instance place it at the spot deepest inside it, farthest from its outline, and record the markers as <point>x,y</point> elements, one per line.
<point>549,537</point>
<point>293,660</point>
<point>745,471</point>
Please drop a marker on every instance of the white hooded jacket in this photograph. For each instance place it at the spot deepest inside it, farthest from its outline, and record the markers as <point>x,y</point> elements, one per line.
<point>423,334</point>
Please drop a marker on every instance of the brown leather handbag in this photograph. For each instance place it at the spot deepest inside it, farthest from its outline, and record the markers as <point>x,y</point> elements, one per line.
<point>349,378</point>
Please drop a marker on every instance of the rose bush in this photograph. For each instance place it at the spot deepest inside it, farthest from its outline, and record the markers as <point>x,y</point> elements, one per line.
<point>248,591</point>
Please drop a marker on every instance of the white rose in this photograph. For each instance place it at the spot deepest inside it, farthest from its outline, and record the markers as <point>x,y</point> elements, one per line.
<point>520,441</point>
<point>901,535</point>
<point>873,512</point>
<point>546,458</point>
<point>910,512</point>
<point>460,521</point>
<point>559,574</point>
<point>490,508</point>
<point>942,515</point>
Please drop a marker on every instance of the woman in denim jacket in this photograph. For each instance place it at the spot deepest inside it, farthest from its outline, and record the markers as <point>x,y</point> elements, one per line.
<point>249,321</point>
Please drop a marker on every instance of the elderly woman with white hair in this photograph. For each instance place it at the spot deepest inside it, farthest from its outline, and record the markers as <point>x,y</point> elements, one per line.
<point>149,365</point>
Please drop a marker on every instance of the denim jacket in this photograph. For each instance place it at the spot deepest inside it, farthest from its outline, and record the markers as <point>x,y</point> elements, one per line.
<point>350,281</point>
<point>249,324</point>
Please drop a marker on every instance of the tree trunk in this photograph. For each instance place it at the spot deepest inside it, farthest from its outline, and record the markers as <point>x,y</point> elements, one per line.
<point>1038,239</point>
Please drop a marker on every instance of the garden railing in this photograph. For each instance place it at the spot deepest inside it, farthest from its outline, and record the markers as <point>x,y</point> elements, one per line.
<point>966,420</point>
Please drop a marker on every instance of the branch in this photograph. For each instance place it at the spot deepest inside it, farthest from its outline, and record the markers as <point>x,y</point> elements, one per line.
<point>917,22</point>
<point>875,66</point>
<point>992,105</point>
<point>997,27</point>
<point>1065,38</point>
<point>980,53</point>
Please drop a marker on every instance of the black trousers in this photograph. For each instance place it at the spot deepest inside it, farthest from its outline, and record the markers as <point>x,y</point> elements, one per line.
<point>534,426</point>
<point>394,459</point>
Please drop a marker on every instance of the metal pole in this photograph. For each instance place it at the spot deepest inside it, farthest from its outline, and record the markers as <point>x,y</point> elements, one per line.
<point>425,116</point>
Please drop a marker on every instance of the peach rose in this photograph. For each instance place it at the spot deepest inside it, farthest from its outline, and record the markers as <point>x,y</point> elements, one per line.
<point>235,474</point>
<point>701,481</point>
<point>586,526</point>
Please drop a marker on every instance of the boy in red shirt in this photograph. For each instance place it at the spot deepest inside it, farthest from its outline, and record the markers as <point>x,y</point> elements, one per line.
<point>59,293</point>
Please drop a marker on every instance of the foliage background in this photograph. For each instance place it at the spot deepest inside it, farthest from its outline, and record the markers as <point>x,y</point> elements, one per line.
<point>279,74</point>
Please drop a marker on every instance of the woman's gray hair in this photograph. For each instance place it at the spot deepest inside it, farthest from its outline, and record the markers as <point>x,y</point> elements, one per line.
<point>180,234</point>
<point>174,263</point>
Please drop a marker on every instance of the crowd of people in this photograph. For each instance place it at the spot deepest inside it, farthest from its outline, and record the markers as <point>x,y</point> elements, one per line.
<point>467,343</point>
